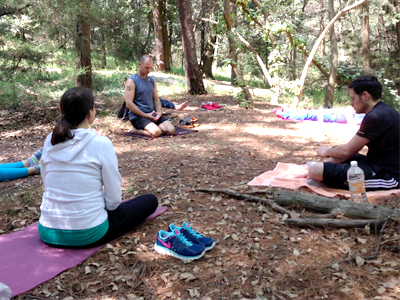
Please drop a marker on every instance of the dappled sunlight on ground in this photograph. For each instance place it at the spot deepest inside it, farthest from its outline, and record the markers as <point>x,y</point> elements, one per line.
<point>255,254</point>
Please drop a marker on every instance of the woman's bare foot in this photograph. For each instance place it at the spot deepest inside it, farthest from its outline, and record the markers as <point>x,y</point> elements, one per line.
<point>181,106</point>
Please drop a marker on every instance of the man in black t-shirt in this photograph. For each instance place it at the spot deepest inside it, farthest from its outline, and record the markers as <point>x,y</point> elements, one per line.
<point>379,131</point>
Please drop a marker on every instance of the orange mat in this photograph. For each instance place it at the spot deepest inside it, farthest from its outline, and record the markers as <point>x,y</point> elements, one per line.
<point>283,176</point>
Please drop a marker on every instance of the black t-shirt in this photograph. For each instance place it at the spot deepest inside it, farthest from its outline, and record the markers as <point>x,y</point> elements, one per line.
<point>381,127</point>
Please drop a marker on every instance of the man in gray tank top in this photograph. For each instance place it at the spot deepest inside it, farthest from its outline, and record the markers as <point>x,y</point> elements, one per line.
<point>144,104</point>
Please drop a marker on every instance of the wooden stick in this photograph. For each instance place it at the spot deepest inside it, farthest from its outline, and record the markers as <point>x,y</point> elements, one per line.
<point>336,223</point>
<point>241,196</point>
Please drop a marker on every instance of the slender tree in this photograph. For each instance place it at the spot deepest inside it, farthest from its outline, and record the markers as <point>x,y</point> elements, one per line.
<point>330,90</point>
<point>166,43</point>
<point>310,58</point>
<point>82,45</point>
<point>159,64</point>
<point>396,4</point>
<point>365,39</point>
<point>193,76</point>
<point>232,55</point>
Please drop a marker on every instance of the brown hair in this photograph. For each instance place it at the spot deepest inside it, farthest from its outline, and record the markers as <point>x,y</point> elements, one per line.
<point>75,105</point>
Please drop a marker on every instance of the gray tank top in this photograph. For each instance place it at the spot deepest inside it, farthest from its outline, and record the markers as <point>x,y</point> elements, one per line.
<point>144,89</point>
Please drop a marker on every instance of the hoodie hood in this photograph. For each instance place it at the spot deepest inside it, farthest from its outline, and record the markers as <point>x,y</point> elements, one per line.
<point>66,151</point>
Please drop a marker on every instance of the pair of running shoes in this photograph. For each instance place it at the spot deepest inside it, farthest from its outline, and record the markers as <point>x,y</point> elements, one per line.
<point>183,242</point>
<point>210,106</point>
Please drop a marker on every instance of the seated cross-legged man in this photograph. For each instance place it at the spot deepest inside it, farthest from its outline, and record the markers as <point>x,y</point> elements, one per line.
<point>144,104</point>
<point>379,131</point>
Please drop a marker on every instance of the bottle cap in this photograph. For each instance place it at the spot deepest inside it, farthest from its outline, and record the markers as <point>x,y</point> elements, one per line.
<point>354,163</point>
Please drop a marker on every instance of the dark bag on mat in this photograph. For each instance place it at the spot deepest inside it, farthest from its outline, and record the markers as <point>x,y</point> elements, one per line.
<point>123,112</point>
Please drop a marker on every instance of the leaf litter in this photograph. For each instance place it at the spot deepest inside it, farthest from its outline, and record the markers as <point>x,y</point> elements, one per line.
<point>256,257</point>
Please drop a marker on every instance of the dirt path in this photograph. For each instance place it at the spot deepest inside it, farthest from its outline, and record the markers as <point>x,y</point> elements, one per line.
<point>256,254</point>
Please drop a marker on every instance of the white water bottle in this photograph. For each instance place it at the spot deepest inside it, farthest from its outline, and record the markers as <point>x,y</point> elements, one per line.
<point>355,179</point>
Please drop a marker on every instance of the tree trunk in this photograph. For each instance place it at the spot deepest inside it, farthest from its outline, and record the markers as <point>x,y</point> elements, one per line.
<point>208,55</point>
<point>322,204</point>
<point>82,46</point>
<point>166,43</point>
<point>396,3</point>
<point>315,48</point>
<point>159,63</point>
<point>365,40</point>
<point>398,55</point>
<point>232,55</point>
<point>321,25</point>
<point>275,82</point>
<point>208,39</point>
<point>103,49</point>
<point>330,90</point>
<point>215,56</point>
<point>193,76</point>
<point>301,47</point>
<point>385,33</point>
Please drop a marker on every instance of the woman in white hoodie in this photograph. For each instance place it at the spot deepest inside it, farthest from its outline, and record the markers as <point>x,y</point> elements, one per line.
<point>81,205</point>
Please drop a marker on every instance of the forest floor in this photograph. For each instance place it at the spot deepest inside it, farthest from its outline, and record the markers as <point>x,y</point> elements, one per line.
<point>256,256</point>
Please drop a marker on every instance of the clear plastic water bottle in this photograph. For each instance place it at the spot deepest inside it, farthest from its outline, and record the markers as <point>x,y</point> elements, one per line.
<point>356,180</point>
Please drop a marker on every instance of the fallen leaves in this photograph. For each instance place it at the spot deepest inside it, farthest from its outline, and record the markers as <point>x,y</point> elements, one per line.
<point>256,256</point>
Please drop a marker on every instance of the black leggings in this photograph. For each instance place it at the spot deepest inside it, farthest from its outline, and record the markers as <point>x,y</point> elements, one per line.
<point>128,215</point>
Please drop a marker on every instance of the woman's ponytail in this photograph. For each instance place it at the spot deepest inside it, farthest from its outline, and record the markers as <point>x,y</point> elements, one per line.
<point>75,105</point>
<point>61,132</point>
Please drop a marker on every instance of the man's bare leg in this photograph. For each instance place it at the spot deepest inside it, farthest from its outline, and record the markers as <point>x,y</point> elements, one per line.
<point>181,106</point>
<point>167,128</point>
<point>151,130</point>
<point>316,171</point>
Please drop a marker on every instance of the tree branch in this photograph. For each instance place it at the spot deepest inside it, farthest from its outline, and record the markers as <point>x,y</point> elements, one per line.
<point>12,11</point>
<point>315,48</point>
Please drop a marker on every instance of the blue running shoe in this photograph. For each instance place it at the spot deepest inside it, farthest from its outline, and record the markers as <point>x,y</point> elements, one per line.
<point>193,236</point>
<point>175,244</point>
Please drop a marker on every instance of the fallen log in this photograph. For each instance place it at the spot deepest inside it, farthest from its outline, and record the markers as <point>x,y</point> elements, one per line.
<point>349,209</point>
<point>375,225</point>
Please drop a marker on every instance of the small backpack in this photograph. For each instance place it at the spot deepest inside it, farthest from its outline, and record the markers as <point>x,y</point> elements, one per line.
<point>123,112</point>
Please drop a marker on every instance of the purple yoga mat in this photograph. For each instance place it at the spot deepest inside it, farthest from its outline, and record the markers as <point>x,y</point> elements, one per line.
<point>178,131</point>
<point>26,262</point>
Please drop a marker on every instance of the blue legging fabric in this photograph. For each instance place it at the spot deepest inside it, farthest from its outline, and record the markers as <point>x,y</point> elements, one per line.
<point>13,171</point>
<point>166,103</point>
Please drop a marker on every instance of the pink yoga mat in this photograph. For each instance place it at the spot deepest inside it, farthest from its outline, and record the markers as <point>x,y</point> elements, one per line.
<point>26,262</point>
<point>284,176</point>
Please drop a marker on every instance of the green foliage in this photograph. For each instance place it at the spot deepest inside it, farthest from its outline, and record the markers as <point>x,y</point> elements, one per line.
<point>177,71</point>
<point>110,83</point>
<point>241,97</point>
<point>178,87</point>
<point>223,73</point>
<point>389,94</point>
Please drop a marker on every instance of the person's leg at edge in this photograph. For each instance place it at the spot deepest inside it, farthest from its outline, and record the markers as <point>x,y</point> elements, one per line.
<point>17,170</point>
<point>167,104</point>
<point>145,127</point>
<point>170,105</point>
<point>13,173</point>
<point>129,215</point>
<point>316,171</point>
<point>30,162</point>
<point>167,128</point>
<point>181,106</point>
<point>153,130</point>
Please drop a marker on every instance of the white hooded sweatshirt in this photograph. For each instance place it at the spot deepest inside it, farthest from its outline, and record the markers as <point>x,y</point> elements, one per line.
<point>81,180</point>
